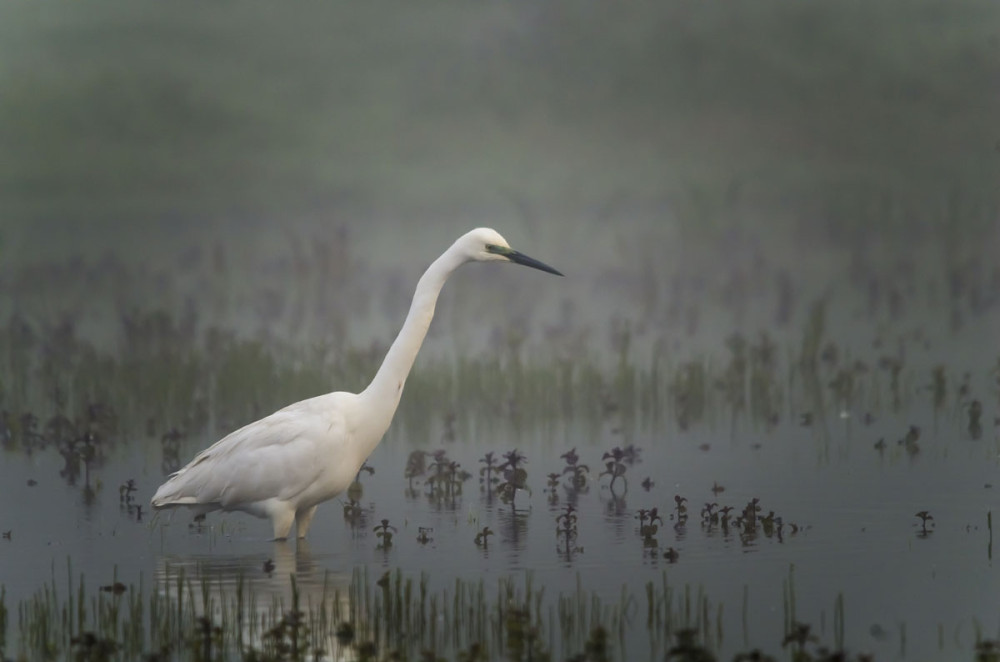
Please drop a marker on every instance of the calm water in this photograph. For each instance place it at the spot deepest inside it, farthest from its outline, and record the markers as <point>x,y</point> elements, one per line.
<point>845,454</point>
<point>905,595</point>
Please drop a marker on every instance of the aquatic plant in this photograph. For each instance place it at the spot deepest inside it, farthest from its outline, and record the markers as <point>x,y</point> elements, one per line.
<point>445,481</point>
<point>384,531</point>
<point>578,476</point>
<point>724,516</point>
<point>648,525</point>
<point>925,522</point>
<point>566,530</point>
<point>416,466</point>
<point>680,507</point>
<point>523,641</point>
<point>88,647</point>
<point>616,470</point>
<point>987,650</point>
<point>709,514</point>
<point>614,466</point>
<point>688,649</point>
<point>207,637</point>
<point>577,471</point>
<point>356,490</point>
<point>353,512</point>
<point>483,537</point>
<point>125,491</point>
<point>515,476</point>
<point>552,487</point>
<point>770,523</point>
<point>486,473</point>
<point>597,648</point>
<point>747,520</point>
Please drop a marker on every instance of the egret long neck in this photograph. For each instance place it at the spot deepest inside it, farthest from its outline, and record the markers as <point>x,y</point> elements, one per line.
<point>386,388</point>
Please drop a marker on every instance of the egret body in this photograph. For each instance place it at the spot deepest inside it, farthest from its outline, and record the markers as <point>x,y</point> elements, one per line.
<point>286,464</point>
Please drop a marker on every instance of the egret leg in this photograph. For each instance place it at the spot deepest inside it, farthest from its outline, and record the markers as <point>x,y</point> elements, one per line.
<point>282,521</point>
<point>303,519</point>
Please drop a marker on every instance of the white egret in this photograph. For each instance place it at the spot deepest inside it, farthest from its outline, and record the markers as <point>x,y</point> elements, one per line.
<point>286,464</point>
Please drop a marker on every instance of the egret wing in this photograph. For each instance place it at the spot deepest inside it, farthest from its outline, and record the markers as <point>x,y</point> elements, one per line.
<point>278,456</point>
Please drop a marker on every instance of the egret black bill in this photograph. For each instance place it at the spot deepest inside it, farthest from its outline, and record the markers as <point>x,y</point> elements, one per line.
<point>518,257</point>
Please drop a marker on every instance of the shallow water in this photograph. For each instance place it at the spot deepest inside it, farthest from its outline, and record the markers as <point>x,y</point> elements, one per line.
<point>821,443</point>
<point>904,594</point>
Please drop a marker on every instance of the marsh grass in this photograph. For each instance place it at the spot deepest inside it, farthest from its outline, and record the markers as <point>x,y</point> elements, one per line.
<point>183,619</point>
<point>394,617</point>
<point>170,388</point>
<point>182,371</point>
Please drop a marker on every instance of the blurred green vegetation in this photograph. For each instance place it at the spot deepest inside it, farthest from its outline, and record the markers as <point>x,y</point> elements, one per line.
<point>172,114</point>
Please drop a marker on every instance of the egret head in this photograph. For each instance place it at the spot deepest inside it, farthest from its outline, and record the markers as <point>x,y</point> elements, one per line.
<point>486,245</point>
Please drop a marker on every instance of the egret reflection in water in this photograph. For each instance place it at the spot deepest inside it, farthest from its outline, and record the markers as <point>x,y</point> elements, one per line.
<point>257,588</point>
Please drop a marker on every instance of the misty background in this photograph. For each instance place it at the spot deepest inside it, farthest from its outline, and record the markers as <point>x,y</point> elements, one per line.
<point>652,151</point>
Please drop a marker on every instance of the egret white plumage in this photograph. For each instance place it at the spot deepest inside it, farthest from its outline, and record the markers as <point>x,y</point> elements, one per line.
<point>286,464</point>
